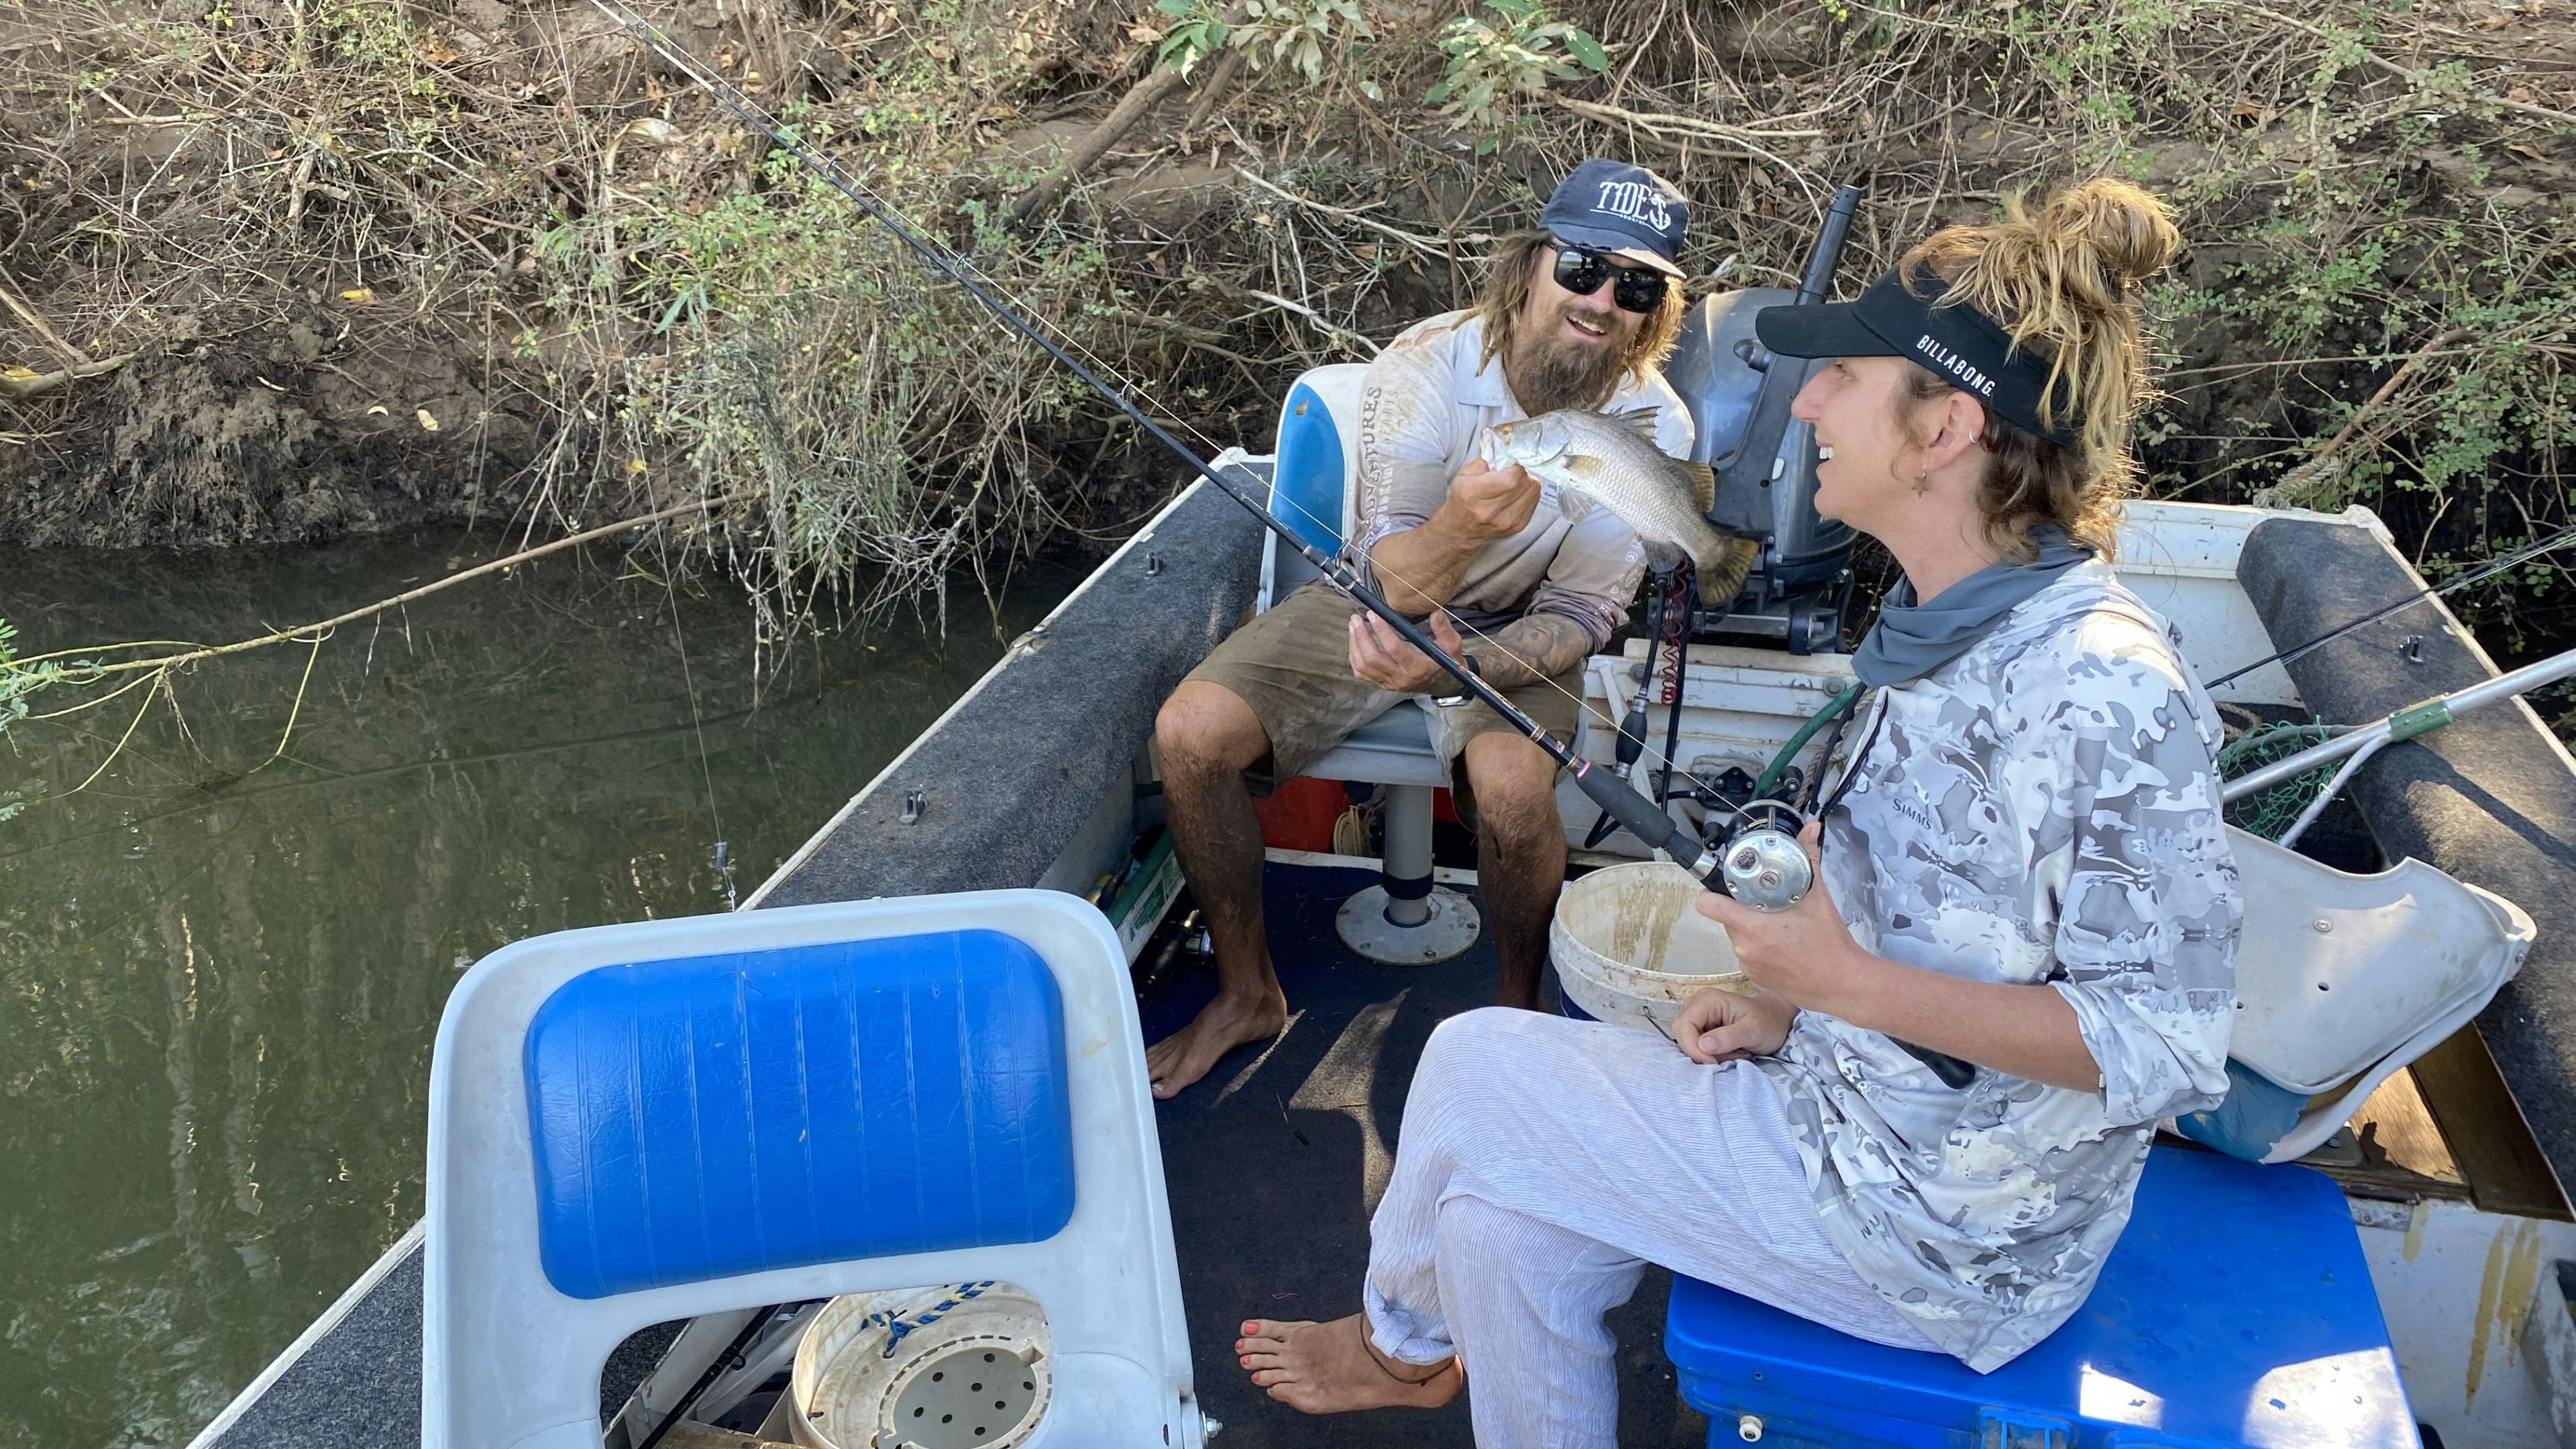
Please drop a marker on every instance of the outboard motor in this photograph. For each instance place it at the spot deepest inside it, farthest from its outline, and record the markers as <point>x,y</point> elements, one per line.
<point>1739,394</point>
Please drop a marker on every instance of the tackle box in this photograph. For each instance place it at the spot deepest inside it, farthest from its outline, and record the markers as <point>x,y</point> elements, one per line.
<point>2237,1310</point>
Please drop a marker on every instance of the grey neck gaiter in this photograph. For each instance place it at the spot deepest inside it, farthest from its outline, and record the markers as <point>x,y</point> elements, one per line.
<point>1910,640</point>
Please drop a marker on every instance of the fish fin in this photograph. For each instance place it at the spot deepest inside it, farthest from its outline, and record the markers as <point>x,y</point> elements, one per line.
<point>1723,570</point>
<point>1642,418</point>
<point>1584,469</point>
<point>1703,484</point>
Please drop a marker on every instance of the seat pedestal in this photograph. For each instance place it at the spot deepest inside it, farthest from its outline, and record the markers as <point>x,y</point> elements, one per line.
<point>1406,920</point>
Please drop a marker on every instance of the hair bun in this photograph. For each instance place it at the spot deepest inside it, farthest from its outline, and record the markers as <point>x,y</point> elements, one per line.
<point>2062,279</point>
<point>2128,234</point>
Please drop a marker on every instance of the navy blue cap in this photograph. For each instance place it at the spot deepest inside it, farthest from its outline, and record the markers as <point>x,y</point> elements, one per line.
<point>1961,345</point>
<point>1627,211</point>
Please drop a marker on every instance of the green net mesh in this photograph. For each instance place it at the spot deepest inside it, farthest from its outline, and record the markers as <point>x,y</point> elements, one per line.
<point>2270,813</point>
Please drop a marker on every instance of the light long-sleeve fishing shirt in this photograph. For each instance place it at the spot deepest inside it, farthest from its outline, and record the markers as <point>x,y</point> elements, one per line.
<point>2042,809</point>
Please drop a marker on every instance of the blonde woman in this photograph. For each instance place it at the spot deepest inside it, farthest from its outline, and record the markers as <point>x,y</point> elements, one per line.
<point>2022,866</point>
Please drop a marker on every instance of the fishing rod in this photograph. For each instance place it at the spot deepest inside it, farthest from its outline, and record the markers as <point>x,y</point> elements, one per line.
<point>2396,729</point>
<point>1762,865</point>
<point>2487,570</point>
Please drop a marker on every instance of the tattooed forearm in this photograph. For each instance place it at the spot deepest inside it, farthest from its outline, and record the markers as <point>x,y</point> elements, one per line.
<point>1531,648</point>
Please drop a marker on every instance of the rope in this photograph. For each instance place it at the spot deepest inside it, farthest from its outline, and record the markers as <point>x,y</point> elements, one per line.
<point>897,1325</point>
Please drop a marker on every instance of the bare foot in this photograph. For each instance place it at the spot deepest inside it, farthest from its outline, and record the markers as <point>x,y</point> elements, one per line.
<point>1222,1025</point>
<point>1332,1368</point>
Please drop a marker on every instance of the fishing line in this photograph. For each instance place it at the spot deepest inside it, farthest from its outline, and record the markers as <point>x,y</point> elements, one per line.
<point>1013,313</point>
<point>698,729</point>
<point>2487,570</point>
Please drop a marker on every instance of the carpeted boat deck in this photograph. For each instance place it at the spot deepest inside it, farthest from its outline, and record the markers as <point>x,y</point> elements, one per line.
<point>1274,1161</point>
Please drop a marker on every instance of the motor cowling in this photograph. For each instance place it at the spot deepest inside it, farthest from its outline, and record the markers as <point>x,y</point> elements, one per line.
<point>1719,368</point>
<point>1739,396</point>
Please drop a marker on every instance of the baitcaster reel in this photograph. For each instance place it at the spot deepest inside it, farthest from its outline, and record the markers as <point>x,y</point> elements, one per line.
<point>1762,863</point>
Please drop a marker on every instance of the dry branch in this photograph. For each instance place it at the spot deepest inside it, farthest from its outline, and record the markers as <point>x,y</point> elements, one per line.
<point>1122,118</point>
<point>18,384</point>
<point>1219,81</point>
<point>1426,245</point>
<point>33,318</point>
<point>2389,389</point>
<point>305,632</point>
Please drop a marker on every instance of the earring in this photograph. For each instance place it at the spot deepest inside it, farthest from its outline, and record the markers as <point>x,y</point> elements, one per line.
<point>1923,481</point>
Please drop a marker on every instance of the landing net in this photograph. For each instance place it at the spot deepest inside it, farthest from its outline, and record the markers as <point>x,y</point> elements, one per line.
<point>2270,813</point>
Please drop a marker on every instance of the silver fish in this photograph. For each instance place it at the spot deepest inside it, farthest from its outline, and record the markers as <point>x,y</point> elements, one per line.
<point>1611,459</point>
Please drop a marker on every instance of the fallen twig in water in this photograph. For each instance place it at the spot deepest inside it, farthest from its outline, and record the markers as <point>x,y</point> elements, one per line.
<point>303,631</point>
<point>153,674</point>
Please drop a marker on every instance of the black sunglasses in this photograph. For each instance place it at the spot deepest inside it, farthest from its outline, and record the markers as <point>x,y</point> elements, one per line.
<point>1635,289</point>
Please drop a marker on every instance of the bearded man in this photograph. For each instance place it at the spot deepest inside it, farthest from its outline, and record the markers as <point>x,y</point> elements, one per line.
<point>1576,314</point>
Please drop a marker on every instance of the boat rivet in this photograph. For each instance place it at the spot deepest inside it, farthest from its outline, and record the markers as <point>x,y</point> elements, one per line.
<point>2321,925</point>
<point>1749,1428</point>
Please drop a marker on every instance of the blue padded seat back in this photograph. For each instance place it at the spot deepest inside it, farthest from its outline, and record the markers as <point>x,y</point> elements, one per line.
<point>2237,1309</point>
<point>1306,491</point>
<point>729,1114</point>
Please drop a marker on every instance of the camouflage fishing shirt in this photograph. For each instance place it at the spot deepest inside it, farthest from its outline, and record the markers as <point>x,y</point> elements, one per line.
<point>2040,809</point>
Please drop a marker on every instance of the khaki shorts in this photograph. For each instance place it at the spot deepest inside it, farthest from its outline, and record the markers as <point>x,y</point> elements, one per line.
<point>1292,665</point>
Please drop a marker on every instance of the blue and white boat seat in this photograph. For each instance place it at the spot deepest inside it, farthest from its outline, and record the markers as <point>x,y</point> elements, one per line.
<point>1317,454</point>
<point>656,1121</point>
<point>2341,981</point>
<point>2237,1310</point>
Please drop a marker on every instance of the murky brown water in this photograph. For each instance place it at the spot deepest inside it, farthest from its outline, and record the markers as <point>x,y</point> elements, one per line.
<point>219,983</point>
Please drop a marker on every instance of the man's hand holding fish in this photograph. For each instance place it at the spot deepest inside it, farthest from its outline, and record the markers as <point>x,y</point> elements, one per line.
<point>1487,502</point>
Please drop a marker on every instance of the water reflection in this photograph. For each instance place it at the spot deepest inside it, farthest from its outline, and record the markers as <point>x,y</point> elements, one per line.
<point>219,981</point>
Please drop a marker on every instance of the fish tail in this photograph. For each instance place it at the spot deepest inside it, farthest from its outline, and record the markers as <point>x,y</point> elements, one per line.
<point>1724,568</point>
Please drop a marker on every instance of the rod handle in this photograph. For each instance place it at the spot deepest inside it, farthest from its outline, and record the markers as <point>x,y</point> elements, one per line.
<point>1654,828</point>
<point>1954,1073</point>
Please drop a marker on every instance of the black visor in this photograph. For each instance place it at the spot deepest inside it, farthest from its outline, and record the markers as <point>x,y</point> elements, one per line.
<point>1955,343</point>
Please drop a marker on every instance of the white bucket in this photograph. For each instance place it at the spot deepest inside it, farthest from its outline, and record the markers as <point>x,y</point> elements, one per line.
<point>1629,949</point>
<point>959,1367</point>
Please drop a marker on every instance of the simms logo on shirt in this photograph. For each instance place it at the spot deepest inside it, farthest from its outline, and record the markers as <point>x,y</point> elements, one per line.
<point>1636,201</point>
<point>1955,365</point>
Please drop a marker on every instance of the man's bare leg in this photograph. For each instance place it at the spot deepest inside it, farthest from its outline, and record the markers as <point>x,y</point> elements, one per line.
<point>1332,1368</point>
<point>1520,856</point>
<point>1205,737</point>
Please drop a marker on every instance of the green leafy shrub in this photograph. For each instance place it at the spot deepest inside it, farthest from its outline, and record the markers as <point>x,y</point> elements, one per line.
<point>1495,64</point>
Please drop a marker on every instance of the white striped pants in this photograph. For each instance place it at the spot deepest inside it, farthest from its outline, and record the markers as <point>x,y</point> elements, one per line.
<point>1543,1163</point>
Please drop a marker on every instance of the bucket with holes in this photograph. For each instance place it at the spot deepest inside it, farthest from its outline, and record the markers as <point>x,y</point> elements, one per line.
<point>959,1367</point>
